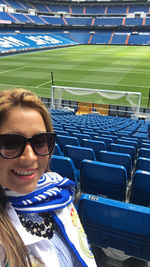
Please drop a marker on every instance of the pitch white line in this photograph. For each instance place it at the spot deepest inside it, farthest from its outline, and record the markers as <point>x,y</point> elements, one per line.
<point>11,70</point>
<point>41,84</point>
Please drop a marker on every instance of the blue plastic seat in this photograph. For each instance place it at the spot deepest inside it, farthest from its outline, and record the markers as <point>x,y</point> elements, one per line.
<point>123,149</point>
<point>95,145</point>
<point>118,159</point>
<point>113,137</point>
<point>81,136</point>
<point>145,145</point>
<point>103,179</point>
<point>77,154</point>
<point>66,140</point>
<point>60,132</point>
<point>71,131</point>
<point>57,150</point>
<point>144,153</point>
<point>64,166</point>
<point>128,143</point>
<point>143,164</point>
<point>91,134</point>
<point>106,140</point>
<point>116,224</point>
<point>140,189</point>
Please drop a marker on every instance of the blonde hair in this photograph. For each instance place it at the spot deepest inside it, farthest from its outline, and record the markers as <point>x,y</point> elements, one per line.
<point>16,254</point>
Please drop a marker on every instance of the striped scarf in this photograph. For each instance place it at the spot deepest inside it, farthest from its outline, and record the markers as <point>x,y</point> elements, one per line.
<point>52,192</point>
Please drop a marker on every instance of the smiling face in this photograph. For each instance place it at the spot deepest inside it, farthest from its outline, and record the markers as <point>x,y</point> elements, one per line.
<point>22,174</point>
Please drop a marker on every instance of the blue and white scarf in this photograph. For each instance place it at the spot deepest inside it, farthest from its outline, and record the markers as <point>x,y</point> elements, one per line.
<point>52,192</point>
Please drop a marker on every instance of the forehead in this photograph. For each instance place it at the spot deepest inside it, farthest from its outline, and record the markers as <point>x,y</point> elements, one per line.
<point>23,120</point>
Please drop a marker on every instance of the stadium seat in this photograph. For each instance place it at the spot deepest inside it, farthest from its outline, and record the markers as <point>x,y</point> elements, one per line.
<point>64,166</point>
<point>145,145</point>
<point>60,132</point>
<point>113,137</point>
<point>143,164</point>
<point>81,136</point>
<point>105,179</point>
<point>115,224</point>
<point>77,154</point>
<point>123,149</point>
<point>95,145</point>
<point>57,150</point>
<point>91,134</point>
<point>71,131</point>
<point>66,140</point>
<point>140,189</point>
<point>118,159</point>
<point>128,143</point>
<point>144,153</point>
<point>107,141</point>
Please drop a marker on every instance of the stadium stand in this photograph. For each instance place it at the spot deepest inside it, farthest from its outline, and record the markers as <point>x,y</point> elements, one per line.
<point>83,23</point>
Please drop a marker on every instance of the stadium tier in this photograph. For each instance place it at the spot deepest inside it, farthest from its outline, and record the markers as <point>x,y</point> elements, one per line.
<point>125,23</point>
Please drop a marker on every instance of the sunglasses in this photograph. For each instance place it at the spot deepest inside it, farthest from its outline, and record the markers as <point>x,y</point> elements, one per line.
<point>13,145</point>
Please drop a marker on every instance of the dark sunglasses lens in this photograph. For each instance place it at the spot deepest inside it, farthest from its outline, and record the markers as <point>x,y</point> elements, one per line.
<point>43,143</point>
<point>11,145</point>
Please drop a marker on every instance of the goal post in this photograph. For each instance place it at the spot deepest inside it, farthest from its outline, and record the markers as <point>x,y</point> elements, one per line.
<point>95,96</point>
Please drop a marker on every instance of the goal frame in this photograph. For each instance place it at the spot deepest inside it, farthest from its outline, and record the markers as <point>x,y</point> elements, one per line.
<point>96,91</point>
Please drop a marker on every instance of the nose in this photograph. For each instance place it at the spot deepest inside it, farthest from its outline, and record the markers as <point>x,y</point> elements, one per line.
<point>28,154</point>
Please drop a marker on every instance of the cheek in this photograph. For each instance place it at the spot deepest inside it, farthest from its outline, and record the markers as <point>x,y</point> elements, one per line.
<point>44,163</point>
<point>4,172</point>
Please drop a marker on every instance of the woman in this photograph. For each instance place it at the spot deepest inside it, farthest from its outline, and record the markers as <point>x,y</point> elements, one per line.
<point>39,225</point>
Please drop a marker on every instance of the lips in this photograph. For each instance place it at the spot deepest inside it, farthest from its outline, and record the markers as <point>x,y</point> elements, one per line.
<point>25,174</point>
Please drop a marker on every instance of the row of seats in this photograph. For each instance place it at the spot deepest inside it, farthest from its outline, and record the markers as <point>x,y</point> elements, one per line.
<point>87,21</point>
<point>76,8</point>
<point>106,179</point>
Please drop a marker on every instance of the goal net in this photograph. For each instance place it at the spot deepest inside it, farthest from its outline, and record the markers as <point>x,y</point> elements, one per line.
<point>62,97</point>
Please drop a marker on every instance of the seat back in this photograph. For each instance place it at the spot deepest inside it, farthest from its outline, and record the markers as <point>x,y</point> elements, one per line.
<point>115,224</point>
<point>140,189</point>
<point>103,179</point>
<point>118,159</point>
<point>64,166</point>
<point>71,131</point>
<point>77,154</point>
<point>91,134</point>
<point>81,136</point>
<point>106,140</point>
<point>145,145</point>
<point>57,150</point>
<point>128,143</point>
<point>143,164</point>
<point>144,153</point>
<point>123,149</point>
<point>113,137</point>
<point>95,145</point>
<point>66,140</point>
<point>60,132</point>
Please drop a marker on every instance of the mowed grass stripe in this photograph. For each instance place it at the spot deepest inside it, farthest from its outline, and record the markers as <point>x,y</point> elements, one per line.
<point>100,67</point>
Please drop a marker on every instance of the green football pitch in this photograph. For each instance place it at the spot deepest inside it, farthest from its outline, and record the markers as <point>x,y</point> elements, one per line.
<point>123,68</point>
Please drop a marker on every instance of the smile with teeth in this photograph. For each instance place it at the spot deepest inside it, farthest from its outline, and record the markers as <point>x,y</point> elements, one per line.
<point>24,173</point>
